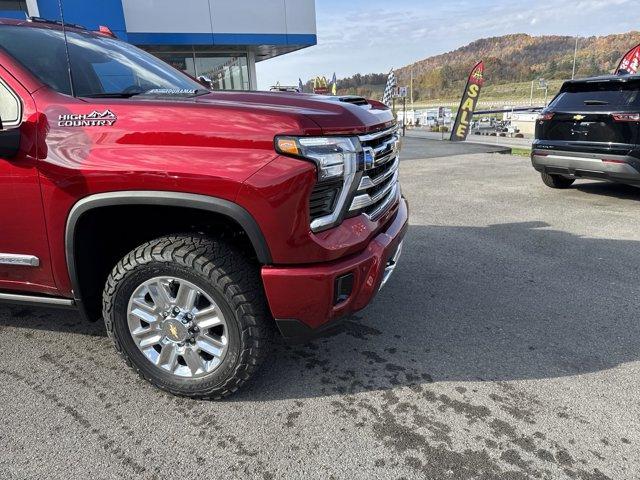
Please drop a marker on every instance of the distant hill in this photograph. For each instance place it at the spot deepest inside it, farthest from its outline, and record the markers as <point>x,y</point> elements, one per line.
<point>510,59</point>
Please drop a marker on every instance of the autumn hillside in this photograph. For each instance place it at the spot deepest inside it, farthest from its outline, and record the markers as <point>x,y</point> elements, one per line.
<point>510,60</point>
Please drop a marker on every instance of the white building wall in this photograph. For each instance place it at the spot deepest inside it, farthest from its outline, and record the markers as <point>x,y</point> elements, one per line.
<point>301,16</point>
<point>220,16</point>
<point>248,16</point>
<point>167,16</point>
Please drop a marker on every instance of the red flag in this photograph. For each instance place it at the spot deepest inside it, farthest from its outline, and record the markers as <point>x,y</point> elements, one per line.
<point>477,74</point>
<point>630,63</point>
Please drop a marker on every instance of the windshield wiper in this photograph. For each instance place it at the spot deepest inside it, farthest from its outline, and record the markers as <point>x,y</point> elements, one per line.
<point>176,92</point>
<point>200,92</point>
<point>111,95</point>
<point>151,93</point>
<point>595,102</point>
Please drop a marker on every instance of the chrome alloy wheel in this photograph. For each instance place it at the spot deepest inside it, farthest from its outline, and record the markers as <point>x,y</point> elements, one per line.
<point>177,327</point>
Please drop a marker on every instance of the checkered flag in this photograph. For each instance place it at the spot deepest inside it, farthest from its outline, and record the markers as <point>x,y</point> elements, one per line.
<point>392,85</point>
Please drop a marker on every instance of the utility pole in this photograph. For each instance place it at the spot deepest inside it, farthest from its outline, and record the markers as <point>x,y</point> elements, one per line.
<point>544,85</point>
<point>546,94</point>
<point>575,56</point>
<point>412,89</point>
<point>404,120</point>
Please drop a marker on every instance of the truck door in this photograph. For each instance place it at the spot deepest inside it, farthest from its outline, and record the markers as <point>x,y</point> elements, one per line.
<point>24,252</point>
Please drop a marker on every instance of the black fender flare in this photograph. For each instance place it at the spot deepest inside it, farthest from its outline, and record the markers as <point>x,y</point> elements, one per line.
<point>161,198</point>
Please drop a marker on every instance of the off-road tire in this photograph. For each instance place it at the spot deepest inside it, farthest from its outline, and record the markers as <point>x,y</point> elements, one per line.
<point>225,274</point>
<point>556,181</point>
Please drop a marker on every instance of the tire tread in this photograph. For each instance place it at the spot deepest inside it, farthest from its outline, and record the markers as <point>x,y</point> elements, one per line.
<point>225,268</point>
<point>556,181</point>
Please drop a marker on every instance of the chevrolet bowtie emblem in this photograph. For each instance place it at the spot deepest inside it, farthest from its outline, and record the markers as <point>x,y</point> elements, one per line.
<point>173,330</point>
<point>579,117</point>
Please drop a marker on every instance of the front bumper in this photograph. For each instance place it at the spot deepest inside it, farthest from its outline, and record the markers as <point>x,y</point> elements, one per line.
<point>615,168</point>
<point>303,299</point>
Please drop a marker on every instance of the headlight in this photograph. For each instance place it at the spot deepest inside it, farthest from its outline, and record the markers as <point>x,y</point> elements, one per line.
<point>335,157</point>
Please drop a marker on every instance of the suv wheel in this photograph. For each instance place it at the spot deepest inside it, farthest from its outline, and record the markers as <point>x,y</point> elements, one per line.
<point>188,314</point>
<point>556,181</point>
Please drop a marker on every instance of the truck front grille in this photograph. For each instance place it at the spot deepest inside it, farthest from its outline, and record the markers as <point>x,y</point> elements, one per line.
<point>379,188</point>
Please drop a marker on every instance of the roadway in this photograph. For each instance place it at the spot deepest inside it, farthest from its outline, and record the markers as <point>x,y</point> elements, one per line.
<point>506,346</point>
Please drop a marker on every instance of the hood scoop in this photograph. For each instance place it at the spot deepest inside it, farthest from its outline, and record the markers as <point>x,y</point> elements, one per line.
<point>354,100</point>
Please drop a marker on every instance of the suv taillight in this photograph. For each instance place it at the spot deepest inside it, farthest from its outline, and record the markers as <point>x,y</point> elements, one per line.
<point>543,117</point>
<point>626,117</point>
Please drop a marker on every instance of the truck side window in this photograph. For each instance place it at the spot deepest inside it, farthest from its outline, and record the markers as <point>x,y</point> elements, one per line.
<point>9,106</point>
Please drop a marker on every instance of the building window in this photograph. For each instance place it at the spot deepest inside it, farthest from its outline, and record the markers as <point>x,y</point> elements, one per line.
<point>8,5</point>
<point>226,71</point>
<point>179,60</point>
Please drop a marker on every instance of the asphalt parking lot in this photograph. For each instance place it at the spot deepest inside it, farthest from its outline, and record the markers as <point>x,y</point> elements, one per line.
<point>506,346</point>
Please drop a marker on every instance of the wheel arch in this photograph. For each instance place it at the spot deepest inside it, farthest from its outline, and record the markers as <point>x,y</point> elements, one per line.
<point>212,205</point>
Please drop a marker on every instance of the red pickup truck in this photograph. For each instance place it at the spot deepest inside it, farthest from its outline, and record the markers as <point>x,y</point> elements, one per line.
<point>197,224</point>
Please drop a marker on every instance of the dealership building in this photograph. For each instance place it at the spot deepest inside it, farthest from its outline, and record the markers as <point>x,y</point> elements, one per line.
<point>218,39</point>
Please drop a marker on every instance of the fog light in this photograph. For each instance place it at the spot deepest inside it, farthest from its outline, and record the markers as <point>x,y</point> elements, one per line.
<point>343,288</point>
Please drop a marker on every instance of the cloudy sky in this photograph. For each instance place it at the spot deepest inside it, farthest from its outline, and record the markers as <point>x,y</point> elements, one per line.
<point>365,36</point>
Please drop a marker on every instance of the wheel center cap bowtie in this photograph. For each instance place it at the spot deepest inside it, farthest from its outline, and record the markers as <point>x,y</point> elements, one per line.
<point>175,331</point>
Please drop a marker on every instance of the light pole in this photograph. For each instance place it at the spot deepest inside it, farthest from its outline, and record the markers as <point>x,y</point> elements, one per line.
<point>544,85</point>
<point>575,57</point>
<point>531,101</point>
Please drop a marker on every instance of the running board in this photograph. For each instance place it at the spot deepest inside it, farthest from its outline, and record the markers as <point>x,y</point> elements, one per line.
<point>37,301</point>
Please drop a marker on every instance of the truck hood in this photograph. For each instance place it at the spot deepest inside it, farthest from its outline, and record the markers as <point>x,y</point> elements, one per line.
<point>334,115</point>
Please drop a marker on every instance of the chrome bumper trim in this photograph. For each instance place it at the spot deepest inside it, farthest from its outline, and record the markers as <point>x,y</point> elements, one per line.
<point>595,163</point>
<point>391,266</point>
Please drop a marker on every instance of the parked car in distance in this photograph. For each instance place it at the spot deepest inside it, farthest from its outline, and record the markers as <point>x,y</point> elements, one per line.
<point>590,130</point>
<point>199,225</point>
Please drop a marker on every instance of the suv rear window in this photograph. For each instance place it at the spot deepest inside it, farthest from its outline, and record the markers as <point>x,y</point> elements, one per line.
<point>598,96</point>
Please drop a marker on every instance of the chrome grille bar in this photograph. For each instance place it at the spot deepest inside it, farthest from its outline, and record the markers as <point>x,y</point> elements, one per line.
<point>368,182</point>
<point>374,136</point>
<point>392,142</point>
<point>393,197</point>
<point>362,201</point>
<point>379,187</point>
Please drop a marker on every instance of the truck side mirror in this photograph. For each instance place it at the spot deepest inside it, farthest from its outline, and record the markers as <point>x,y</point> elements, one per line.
<point>9,141</point>
<point>206,82</point>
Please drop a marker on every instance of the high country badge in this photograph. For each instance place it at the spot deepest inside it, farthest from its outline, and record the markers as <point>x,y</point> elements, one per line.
<point>93,119</point>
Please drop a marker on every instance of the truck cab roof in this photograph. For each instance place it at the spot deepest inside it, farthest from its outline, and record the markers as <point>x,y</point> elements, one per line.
<point>37,22</point>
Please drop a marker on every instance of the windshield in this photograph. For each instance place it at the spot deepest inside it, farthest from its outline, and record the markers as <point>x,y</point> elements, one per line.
<point>100,66</point>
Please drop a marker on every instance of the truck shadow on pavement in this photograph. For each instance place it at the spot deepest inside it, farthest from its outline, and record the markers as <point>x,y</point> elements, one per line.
<point>504,302</point>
